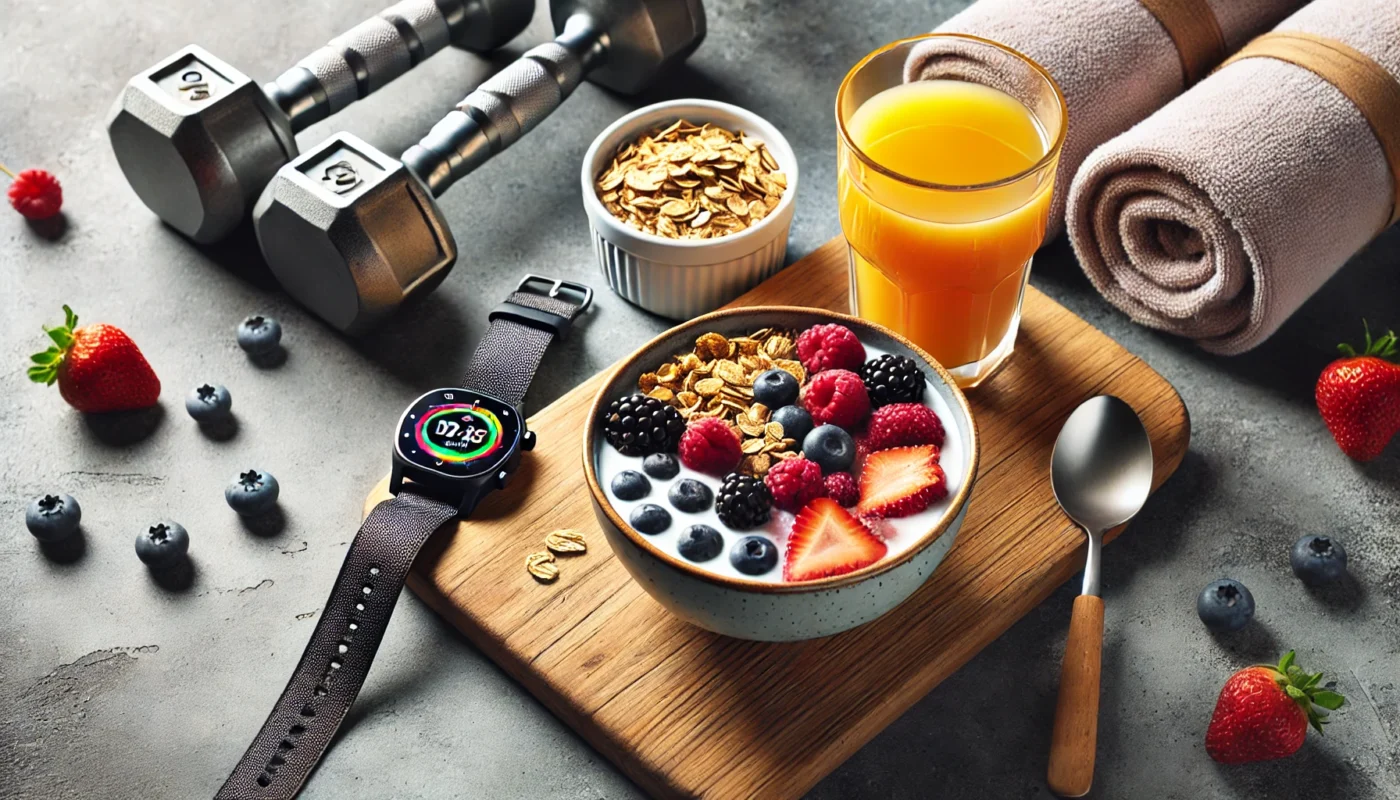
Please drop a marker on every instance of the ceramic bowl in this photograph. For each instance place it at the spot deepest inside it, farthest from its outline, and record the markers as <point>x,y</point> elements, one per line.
<point>747,608</point>
<point>676,278</point>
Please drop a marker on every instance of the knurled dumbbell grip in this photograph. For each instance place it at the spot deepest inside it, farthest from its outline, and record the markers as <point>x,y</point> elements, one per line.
<point>364,59</point>
<point>500,111</point>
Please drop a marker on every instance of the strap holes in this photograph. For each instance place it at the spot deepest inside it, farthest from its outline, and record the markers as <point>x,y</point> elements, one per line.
<point>354,626</point>
<point>335,663</point>
<point>296,730</point>
<point>307,711</point>
<point>343,648</point>
<point>368,589</point>
<point>264,780</point>
<point>374,570</point>
<point>359,606</point>
<point>320,691</point>
<point>276,761</point>
<point>286,744</point>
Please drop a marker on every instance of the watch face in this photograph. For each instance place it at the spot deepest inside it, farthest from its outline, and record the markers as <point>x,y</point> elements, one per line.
<point>457,432</point>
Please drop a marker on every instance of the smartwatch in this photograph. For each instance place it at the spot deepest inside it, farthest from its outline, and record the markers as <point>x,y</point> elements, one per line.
<point>453,447</point>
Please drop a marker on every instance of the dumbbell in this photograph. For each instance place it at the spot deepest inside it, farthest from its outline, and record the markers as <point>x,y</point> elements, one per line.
<point>198,140</point>
<point>351,232</point>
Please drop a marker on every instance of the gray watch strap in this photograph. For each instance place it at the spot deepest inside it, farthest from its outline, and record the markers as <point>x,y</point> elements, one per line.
<point>510,352</point>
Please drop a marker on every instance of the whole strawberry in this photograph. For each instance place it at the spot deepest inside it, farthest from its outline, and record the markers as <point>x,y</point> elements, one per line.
<point>98,368</point>
<point>1264,711</point>
<point>1358,396</point>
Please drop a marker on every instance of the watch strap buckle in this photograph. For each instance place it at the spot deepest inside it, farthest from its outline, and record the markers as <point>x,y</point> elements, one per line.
<point>556,285</point>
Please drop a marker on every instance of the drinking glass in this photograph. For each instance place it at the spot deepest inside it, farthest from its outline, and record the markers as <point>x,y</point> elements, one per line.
<point>945,179</point>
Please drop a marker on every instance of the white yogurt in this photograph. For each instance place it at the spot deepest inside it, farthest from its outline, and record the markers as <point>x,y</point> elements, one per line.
<point>899,534</point>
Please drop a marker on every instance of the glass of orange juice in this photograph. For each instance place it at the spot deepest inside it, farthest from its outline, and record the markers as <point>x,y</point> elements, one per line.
<point>945,181</point>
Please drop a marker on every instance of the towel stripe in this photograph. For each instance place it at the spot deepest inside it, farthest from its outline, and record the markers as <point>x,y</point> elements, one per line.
<point>1373,90</point>
<point>1192,26</point>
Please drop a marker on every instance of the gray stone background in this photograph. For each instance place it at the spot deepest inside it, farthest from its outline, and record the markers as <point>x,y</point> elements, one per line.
<point>113,687</point>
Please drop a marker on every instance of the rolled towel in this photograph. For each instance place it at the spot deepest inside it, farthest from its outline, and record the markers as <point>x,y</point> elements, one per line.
<point>1216,217</point>
<point>1116,61</point>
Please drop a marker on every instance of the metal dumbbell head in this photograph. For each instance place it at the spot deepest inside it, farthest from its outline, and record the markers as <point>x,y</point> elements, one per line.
<point>644,37</point>
<point>198,140</point>
<point>351,233</point>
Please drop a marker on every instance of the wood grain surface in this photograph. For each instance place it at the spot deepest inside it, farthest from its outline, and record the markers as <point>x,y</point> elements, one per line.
<point>687,713</point>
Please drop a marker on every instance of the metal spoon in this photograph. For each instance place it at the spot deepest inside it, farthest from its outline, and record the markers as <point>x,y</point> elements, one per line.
<point>1101,472</point>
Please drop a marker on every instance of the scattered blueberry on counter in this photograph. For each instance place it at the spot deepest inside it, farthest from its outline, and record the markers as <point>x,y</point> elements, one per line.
<point>690,496</point>
<point>650,518</point>
<point>1225,605</point>
<point>208,403</point>
<point>796,422</point>
<point>661,466</point>
<point>700,543</point>
<point>776,388</point>
<point>259,335</point>
<point>630,485</point>
<point>53,517</point>
<point>1318,559</point>
<point>831,447</point>
<point>252,493</point>
<point>753,555</point>
<point>163,544</point>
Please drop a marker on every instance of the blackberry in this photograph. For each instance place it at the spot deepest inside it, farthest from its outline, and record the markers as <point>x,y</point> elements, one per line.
<point>744,501</point>
<point>638,425</point>
<point>892,379</point>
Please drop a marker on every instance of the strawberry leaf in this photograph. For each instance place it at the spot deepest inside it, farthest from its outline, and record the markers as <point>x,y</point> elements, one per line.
<point>1286,662</point>
<point>1328,699</point>
<point>62,337</point>
<point>46,358</point>
<point>70,320</point>
<point>39,374</point>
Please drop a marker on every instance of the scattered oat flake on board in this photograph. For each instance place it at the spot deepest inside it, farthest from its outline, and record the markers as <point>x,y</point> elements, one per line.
<point>542,566</point>
<point>565,541</point>
<point>692,181</point>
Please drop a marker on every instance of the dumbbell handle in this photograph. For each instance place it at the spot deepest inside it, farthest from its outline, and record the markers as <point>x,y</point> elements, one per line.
<point>365,58</point>
<point>508,105</point>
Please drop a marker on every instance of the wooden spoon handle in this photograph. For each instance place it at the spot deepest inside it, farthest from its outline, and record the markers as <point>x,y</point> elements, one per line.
<point>1075,737</point>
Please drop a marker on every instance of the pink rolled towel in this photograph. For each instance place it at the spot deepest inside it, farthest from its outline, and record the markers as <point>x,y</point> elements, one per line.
<point>1113,59</point>
<point>1216,217</point>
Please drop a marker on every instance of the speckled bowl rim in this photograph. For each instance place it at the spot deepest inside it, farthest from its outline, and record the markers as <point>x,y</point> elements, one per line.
<point>882,566</point>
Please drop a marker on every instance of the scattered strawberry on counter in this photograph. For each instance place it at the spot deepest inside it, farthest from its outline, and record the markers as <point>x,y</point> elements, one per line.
<point>34,193</point>
<point>1264,711</point>
<point>1358,396</point>
<point>98,367</point>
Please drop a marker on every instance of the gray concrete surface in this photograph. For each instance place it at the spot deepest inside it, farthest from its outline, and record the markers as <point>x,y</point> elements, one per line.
<point>114,687</point>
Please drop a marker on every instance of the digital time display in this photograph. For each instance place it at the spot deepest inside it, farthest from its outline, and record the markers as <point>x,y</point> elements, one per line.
<point>457,432</point>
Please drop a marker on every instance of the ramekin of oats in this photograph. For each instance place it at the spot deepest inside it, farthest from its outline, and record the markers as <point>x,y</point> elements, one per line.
<point>689,203</point>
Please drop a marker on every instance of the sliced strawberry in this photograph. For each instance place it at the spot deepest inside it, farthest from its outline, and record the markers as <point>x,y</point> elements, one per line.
<point>826,540</point>
<point>900,482</point>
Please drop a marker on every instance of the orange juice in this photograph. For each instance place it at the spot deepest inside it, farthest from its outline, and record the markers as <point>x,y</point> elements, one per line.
<point>943,224</point>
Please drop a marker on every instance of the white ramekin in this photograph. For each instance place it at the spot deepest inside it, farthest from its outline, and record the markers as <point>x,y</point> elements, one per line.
<point>675,278</point>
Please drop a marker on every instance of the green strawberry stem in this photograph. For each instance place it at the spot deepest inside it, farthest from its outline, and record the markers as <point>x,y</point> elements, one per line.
<point>1303,688</point>
<point>1384,347</point>
<point>44,368</point>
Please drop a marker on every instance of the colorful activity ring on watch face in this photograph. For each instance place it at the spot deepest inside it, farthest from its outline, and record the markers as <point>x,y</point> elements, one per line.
<point>457,432</point>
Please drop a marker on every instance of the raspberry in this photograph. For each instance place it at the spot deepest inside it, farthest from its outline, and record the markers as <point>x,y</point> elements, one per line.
<point>35,194</point>
<point>836,396</point>
<point>710,445</point>
<point>824,347</point>
<point>794,483</point>
<point>904,425</point>
<point>841,487</point>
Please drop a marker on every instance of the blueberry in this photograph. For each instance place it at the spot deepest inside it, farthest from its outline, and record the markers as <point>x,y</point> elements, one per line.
<point>259,335</point>
<point>1318,559</point>
<point>163,544</point>
<point>252,493</point>
<point>1225,605</point>
<point>753,555</point>
<point>700,543</point>
<point>831,447</point>
<point>691,496</point>
<point>661,466</point>
<point>796,422</point>
<point>775,388</point>
<point>630,485</point>
<point>53,517</point>
<point>650,518</point>
<point>208,402</point>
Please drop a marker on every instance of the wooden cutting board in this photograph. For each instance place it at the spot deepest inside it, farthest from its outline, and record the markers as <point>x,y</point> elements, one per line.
<point>685,712</point>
